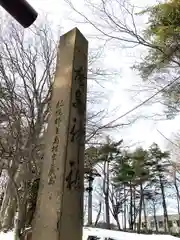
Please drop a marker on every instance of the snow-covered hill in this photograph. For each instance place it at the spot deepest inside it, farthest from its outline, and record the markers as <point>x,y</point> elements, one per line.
<point>102,233</point>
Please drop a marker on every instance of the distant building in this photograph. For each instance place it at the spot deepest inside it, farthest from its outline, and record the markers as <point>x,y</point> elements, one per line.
<point>151,225</point>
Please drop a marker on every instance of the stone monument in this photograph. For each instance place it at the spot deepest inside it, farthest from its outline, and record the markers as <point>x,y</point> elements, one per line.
<point>59,214</point>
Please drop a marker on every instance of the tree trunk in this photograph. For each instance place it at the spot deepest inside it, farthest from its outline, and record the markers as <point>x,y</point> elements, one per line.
<point>9,193</point>
<point>145,215</point>
<point>166,222</point>
<point>107,207</point>
<point>140,208</point>
<point>106,192</point>
<point>125,208</point>
<point>134,206</point>
<point>177,197</point>
<point>32,201</point>
<point>154,215</point>
<point>17,230</point>
<point>117,221</point>
<point>7,222</point>
<point>1,199</point>
<point>131,208</point>
<point>99,214</point>
<point>21,220</point>
<point>9,205</point>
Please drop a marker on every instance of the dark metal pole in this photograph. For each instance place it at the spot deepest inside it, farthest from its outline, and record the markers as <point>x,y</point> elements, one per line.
<point>90,189</point>
<point>91,174</point>
<point>20,10</point>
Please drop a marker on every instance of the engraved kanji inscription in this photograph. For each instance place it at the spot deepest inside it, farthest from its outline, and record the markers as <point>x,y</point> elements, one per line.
<point>73,177</point>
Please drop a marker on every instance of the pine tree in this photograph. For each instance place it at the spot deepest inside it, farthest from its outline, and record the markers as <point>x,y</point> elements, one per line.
<point>107,154</point>
<point>159,167</point>
<point>163,59</point>
<point>124,174</point>
<point>140,164</point>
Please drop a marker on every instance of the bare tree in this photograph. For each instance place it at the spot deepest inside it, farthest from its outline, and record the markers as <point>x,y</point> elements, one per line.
<point>124,25</point>
<point>27,65</point>
<point>26,71</point>
<point>98,214</point>
<point>117,200</point>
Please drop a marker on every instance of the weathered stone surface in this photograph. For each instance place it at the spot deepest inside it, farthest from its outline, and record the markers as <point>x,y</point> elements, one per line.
<point>59,213</point>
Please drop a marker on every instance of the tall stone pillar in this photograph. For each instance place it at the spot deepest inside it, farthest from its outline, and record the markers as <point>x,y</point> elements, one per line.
<point>59,214</point>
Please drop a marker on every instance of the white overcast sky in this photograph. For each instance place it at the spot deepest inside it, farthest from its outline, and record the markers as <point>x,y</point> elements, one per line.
<point>144,131</point>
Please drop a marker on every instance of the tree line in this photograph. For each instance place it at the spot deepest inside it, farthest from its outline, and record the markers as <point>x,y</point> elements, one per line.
<point>135,181</point>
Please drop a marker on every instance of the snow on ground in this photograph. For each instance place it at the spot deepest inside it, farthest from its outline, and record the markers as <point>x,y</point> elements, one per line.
<point>6,236</point>
<point>102,233</point>
<point>116,235</point>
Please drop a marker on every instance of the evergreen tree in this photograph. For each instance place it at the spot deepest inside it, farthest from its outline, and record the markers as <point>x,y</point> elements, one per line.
<point>163,59</point>
<point>124,174</point>
<point>159,168</point>
<point>107,154</point>
<point>140,164</point>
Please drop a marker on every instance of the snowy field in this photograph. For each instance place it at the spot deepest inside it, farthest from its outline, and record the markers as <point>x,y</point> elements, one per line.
<point>116,235</point>
<point>102,233</point>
